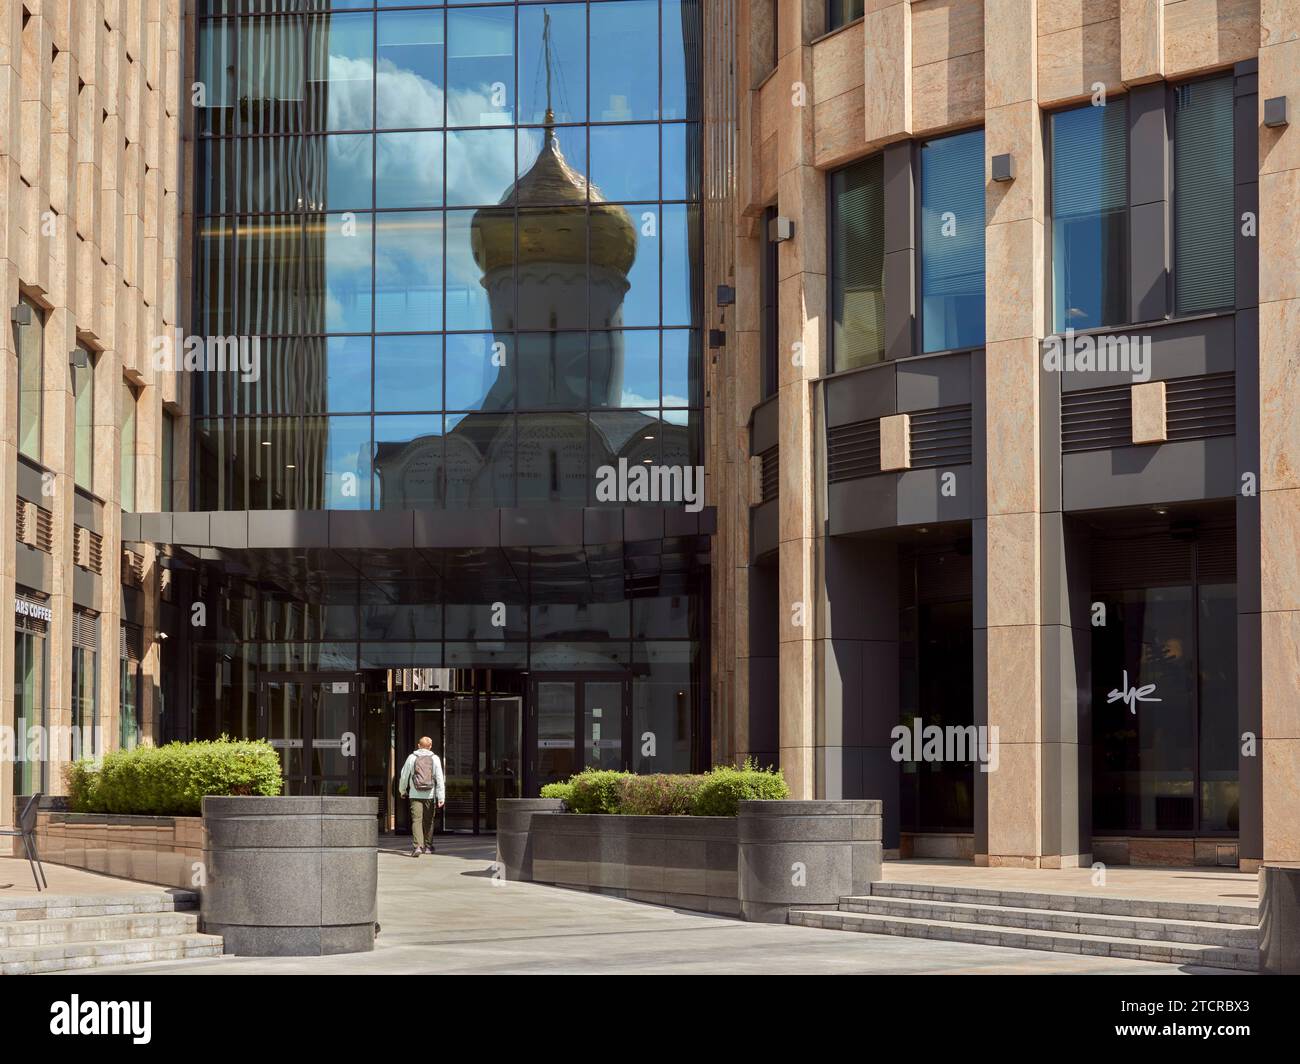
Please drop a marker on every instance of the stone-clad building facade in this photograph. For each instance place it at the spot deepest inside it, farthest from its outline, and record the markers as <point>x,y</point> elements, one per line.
<point>90,269</point>
<point>921,513</point>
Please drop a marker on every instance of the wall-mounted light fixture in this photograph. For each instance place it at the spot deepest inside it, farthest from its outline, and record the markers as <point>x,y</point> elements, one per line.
<point>717,338</point>
<point>780,229</point>
<point>1275,112</point>
<point>1004,168</point>
<point>21,314</point>
<point>726,295</point>
<point>78,358</point>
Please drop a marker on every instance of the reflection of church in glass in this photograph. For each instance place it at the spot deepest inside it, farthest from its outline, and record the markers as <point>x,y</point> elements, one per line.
<point>554,256</point>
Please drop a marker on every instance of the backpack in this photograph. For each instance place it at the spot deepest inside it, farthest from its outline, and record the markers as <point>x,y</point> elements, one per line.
<point>422,775</point>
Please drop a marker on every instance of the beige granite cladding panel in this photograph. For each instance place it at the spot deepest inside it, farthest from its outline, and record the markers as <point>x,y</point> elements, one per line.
<point>1148,402</point>
<point>1072,62</point>
<point>888,73</point>
<point>1204,34</point>
<point>1141,40</point>
<point>895,442</point>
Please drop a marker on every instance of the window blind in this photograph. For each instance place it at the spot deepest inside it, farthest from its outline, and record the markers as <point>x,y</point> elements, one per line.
<point>1204,201</point>
<point>858,263</point>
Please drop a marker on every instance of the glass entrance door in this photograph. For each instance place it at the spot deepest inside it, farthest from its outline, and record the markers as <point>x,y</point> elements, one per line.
<point>311,719</point>
<point>579,722</point>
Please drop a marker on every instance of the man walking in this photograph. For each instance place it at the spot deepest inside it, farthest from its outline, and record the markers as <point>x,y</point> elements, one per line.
<point>422,779</point>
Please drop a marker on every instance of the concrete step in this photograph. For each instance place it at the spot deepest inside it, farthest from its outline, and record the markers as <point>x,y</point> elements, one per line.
<point>1195,932</point>
<point>1242,915</point>
<point>67,906</point>
<point>19,934</point>
<point>75,956</point>
<point>1026,938</point>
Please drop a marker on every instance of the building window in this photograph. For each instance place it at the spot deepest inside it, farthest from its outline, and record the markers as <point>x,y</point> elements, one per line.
<point>1090,216</point>
<point>842,12</point>
<point>31,679</point>
<point>31,354</point>
<point>128,446</point>
<point>1204,197</point>
<point>168,459</point>
<point>771,323</point>
<point>83,398</point>
<point>952,242</point>
<point>858,264</point>
<point>85,682</point>
<point>128,720</point>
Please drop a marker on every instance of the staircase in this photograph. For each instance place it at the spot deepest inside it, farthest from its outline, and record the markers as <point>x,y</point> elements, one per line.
<point>1171,932</point>
<point>62,933</point>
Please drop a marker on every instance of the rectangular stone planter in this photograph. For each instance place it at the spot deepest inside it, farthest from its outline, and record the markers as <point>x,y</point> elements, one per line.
<point>153,849</point>
<point>774,857</point>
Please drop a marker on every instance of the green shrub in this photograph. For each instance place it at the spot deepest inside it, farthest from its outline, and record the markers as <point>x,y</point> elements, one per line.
<point>172,780</point>
<point>722,790</point>
<point>595,791</point>
<point>658,795</point>
<point>563,791</point>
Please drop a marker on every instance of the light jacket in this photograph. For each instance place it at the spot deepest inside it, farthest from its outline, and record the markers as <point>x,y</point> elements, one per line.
<point>408,772</point>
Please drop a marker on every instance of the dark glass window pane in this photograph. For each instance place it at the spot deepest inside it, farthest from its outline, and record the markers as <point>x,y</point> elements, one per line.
<point>270,280</point>
<point>408,462</point>
<point>843,12</point>
<point>682,254</point>
<point>625,162</point>
<point>480,270</point>
<point>480,166</point>
<point>624,51</point>
<point>1144,755</point>
<point>681,59</point>
<point>680,445</point>
<point>338,173</point>
<point>408,271</point>
<point>215,57</point>
<point>632,435</point>
<point>1205,227</point>
<point>641,301</point>
<point>270,72</point>
<point>1217,676</point>
<point>480,459</point>
<point>579,620</point>
<point>952,242</point>
<point>625,368</point>
<point>340,72</point>
<point>272,386</point>
<point>1090,216</point>
<point>214,281</point>
<point>481,66</point>
<point>552,456</point>
<point>271,175</point>
<point>218,172</point>
<point>408,169</point>
<point>858,264</point>
<point>480,373</point>
<point>408,373</point>
<point>681,161</point>
<point>248,463</point>
<point>553,268</point>
<point>552,371</point>
<point>568,67</point>
<point>411,53</point>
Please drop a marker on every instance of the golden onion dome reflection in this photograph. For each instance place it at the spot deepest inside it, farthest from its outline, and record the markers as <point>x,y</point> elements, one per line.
<point>552,198</point>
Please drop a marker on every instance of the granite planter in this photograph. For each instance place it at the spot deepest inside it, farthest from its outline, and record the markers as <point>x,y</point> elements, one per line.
<point>1279,920</point>
<point>291,876</point>
<point>736,866</point>
<point>805,855</point>
<point>514,834</point>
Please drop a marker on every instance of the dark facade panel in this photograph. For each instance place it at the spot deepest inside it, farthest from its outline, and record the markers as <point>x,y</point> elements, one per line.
<point>920,500</point>
<point>1146,476</point>
<point>864,505</point>
<point>288,528</point>
<point>764,426</point>
<point>860,396</point>
<point>932,382</point>
<point>33,568</point>
<point>764,529</point>
<point>1185,348</point>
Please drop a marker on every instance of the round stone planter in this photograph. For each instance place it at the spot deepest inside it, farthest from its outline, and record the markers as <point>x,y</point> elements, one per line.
<point>291,877</point>
<point>805,855</point>
<point>514,840</point>
<point>1279,920</point>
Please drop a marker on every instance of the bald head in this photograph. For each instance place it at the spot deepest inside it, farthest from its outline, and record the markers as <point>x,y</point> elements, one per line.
<point>425,743</point>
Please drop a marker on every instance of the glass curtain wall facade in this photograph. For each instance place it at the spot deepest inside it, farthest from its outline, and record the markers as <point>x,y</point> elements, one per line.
<point>461,245</point>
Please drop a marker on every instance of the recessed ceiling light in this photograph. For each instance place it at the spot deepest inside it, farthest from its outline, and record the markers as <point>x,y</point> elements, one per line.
<point>266,443</point>
<point>291,466</point>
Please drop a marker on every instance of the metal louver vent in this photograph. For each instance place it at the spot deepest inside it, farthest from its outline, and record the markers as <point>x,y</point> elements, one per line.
<point>132,568</point>
<point>941,437</point>
<point>130,642</point>
<point>769,474</point>
<point>1200,408</point>
<point>853,451</point>
<point>21,521</point>
<point>1096,419</point>
<point>85,629</point>
<point>44,530</point>
<point>95,550</point>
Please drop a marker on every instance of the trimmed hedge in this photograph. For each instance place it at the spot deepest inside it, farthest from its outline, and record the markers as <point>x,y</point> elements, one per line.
<point>172,780</point>
<point>715,793</point>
